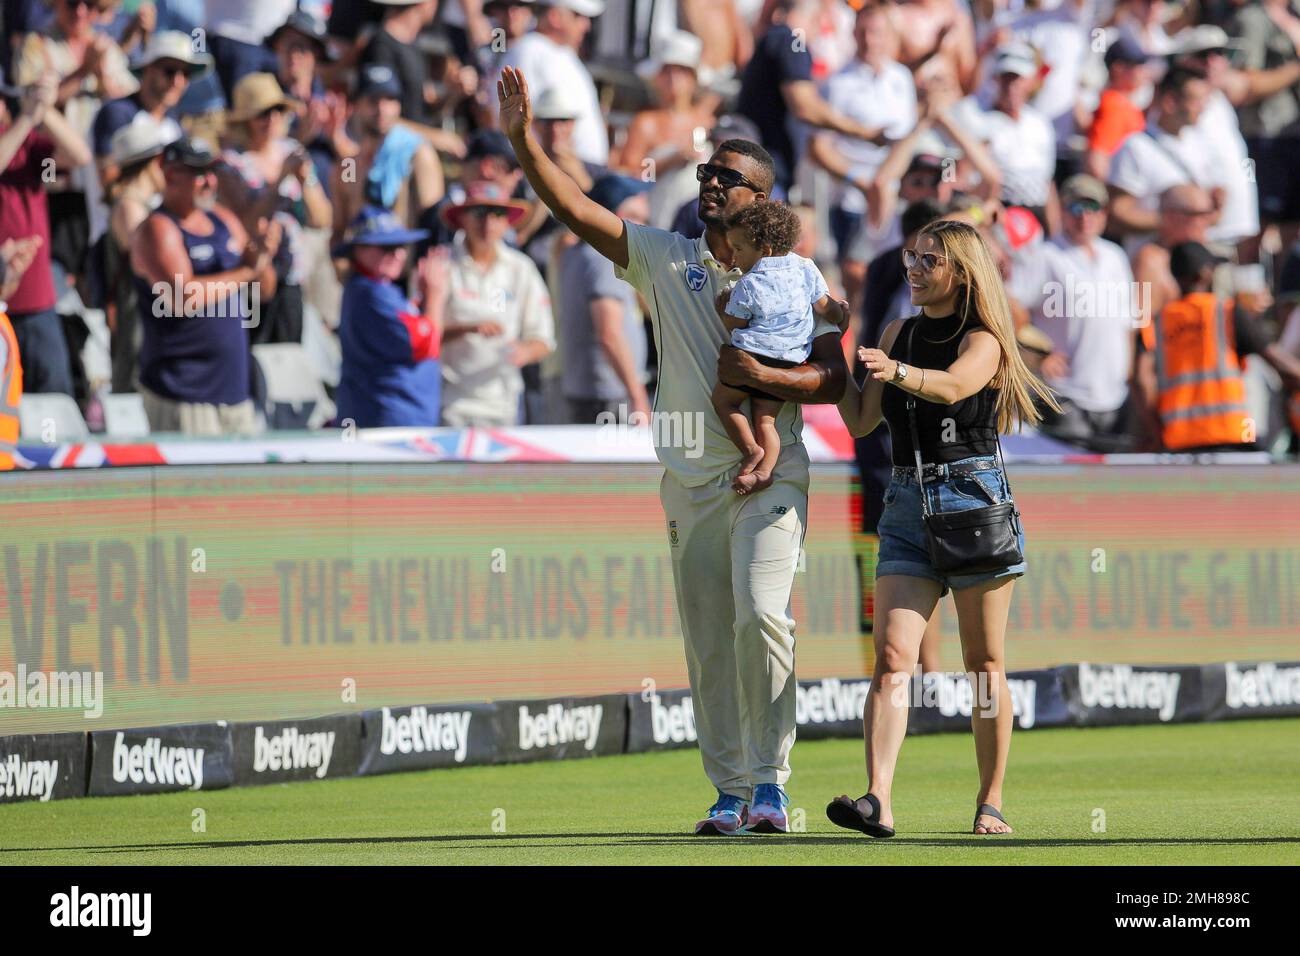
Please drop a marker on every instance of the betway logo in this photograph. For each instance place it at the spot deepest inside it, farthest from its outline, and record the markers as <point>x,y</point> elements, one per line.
<point>30,778</point>
<point>422,731</point>
<point>672,722</point>
<point>560,725</point>
<point>291,749</point>
<point>1264,685</point>
<point>831,701</point>
<point>954,696</point>
<point>1122,688</point>
<point>153,763</point>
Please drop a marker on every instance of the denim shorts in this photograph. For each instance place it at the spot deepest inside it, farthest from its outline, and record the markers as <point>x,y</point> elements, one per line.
<point>904,540</point>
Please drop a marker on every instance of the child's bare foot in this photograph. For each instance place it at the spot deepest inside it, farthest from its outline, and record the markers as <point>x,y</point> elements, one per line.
<point>754,481</point>
<point>753,458</point>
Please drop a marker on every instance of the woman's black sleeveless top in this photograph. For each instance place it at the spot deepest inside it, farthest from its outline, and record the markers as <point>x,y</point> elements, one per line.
<point>968,425</point>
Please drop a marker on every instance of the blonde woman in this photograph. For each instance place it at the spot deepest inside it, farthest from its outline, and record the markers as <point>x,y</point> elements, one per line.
<point>969,384</point>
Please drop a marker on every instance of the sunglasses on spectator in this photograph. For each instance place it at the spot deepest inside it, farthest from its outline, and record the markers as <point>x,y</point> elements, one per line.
<point>482,212</point>
<point>1081,206</point>
<point>727,178</point>
<point>173,70</point>
<point>927,260</point>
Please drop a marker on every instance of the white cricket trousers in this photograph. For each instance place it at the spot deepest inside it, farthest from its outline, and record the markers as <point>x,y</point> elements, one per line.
<point>734,560</point>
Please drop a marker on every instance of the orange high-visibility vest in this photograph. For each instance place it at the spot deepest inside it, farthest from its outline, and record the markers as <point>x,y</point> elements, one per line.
<point>1202,396</point>
<point>11,392</point>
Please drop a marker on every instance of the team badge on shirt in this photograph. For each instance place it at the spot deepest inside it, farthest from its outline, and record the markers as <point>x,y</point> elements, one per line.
<point>695,276</point>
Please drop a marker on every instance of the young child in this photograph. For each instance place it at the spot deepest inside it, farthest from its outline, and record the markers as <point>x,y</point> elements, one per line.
<point>770,314</point>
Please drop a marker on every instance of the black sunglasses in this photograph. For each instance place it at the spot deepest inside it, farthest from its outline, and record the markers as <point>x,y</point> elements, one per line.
<point>727,178</point>
<point>928,260</point>
<point>482,212</point>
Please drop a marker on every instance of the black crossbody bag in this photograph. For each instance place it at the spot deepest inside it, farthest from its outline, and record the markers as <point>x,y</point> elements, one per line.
<point>967,542</point>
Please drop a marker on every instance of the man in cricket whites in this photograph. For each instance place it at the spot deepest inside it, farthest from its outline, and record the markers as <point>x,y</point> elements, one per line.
<point>739,653</point>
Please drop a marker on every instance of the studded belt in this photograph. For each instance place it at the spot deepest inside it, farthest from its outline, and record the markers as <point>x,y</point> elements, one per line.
<point>933,472</point>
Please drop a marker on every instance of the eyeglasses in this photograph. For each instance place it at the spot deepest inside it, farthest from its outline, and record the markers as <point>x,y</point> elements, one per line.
<point>1083,205</point>
<point>727,178</point>
<point>927,260</point>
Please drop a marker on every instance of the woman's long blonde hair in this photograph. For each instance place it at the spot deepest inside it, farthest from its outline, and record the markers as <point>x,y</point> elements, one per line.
<point>981,292</point>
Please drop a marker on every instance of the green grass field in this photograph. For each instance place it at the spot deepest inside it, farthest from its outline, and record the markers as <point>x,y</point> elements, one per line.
<point>1211,794</point>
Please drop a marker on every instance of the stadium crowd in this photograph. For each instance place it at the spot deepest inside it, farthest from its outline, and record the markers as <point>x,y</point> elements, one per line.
<point>187,182</point>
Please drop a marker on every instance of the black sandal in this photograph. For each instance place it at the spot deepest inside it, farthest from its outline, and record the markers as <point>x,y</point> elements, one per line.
<point>988,810</point>
<point>862,814</point>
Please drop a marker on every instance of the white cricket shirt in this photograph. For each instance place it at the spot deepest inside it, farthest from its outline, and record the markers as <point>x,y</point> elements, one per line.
<point>679,279</point>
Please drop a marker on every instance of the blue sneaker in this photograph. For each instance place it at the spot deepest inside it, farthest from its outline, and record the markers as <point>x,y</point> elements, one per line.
<point>725,818</point>
<point>768,812</point>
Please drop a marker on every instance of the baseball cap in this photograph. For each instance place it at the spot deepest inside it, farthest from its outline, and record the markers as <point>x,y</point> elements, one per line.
<point>192,151</point>
<point>931,153</point>
<point>678,48</point>
<point>557,103</point>
<point>1015,58</point>
<point>1126,50</point>
<point>142,138</point>
<point>1201,39</point>
<point>1187,259</point>
<point>311,27</point>
<point>586,8</point>
<point>379,80</point>
<point>1083,186</point>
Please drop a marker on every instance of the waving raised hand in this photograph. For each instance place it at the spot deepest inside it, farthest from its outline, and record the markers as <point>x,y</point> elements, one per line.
<point>515,107</point>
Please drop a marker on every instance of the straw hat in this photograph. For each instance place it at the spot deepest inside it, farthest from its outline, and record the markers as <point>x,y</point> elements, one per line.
<point>255,94</point>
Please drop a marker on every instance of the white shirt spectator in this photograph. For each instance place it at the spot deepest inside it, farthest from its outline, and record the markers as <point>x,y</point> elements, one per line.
<point>1219,128</point>
<point>884,99</point>
<point>1025,151</point>
<point>480,386</point>
<point>1060,35</point>
<point>1150,162</point>
<point>1087,310</point>
<point>250,21</point>
<point>546,64</point>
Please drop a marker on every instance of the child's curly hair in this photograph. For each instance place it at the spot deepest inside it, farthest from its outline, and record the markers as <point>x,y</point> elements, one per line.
<point>768,225</point>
